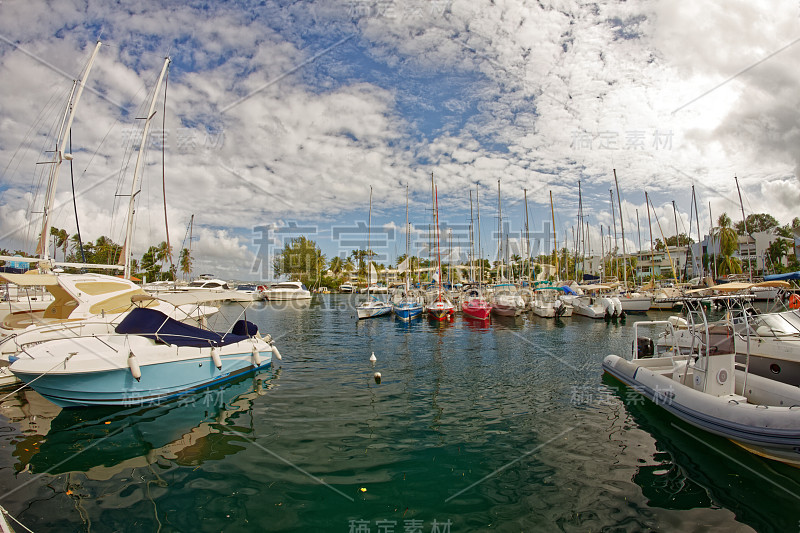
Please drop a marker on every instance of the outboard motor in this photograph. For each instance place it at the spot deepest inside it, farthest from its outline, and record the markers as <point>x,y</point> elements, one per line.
<point>644,347</point>
<point>608,305</point>
<point>618,307</point>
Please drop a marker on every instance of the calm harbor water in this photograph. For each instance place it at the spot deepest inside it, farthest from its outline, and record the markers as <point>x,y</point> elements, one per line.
<point>508,426</point>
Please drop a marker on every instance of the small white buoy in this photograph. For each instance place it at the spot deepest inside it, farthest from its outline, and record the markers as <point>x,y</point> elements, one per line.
<point>133,364</point>
<point>215,357</point>
<point>377,377</point>
<point>276,353</point>
<point>256,357</point>
<point>372,358</point>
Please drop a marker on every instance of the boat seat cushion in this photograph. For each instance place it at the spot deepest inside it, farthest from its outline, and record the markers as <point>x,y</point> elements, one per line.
<point>159,327</point>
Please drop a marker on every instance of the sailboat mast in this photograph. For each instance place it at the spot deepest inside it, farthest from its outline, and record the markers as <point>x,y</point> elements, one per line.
<point>650,225</point>
<point>578,237</point>
<point>137,171</point>
<point>191,229</point>
<point>500,236</point>
<point>699,242</point>
<point>59,156</point>
<point>408,232</point>
<point>480,248</point>
<point>438,249</point>
<point>471,242</point>
<point>602,255</point>
<point>555,245</point>
<point>622,228</point>
<point>639,247</point>
<point>713,243</point>
<point>527,255</point>
<point>369,235</point>
<point>588,244</point>
<point>744,221</point>
<point>677,239</point>
<point>614,222</point>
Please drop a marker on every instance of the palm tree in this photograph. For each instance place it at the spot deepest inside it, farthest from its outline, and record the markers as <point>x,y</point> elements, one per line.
<point>60,240</point>
<point>728,245</point>
<point>163,252</point>
<point>777,251</point>
<point>185,260</point>
<point>336,265</point>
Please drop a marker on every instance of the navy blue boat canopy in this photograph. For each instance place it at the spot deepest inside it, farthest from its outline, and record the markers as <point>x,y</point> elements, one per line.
<point>159,327</point>
<point>782,277</point>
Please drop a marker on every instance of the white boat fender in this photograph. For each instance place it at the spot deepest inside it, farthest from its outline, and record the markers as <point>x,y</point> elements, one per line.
<point>256,357</point>
<point>133,364</point>
<point>276,353</point>
<point>216,358</point>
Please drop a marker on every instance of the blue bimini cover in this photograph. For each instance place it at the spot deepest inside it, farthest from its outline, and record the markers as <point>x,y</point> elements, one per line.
<point>782,277</point>
<point>159,327</point>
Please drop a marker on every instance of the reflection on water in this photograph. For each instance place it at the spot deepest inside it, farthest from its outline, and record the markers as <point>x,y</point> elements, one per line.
<point>101,442</point>
<point>693,469</point>
<point>501,425</point>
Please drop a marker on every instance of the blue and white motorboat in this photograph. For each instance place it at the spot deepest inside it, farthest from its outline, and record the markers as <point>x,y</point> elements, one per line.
<point>149,358</point>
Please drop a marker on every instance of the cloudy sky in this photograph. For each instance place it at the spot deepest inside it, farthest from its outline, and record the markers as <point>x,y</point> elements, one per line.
<point>280,116</point>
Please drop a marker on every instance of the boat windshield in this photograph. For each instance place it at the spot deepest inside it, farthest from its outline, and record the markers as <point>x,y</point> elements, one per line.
<point>776,325</point>
<point>293,286</point>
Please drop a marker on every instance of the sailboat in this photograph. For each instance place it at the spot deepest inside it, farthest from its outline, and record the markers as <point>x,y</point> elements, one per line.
<point>82,304</point>
<point>372,307</point>
<point>408,307</point>
<point>473,304</point>
<point>114,344</point>
<point>505,298</point>
<point>441,308</point>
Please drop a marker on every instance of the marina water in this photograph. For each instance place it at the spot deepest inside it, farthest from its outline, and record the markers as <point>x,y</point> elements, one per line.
<point>507,426</point>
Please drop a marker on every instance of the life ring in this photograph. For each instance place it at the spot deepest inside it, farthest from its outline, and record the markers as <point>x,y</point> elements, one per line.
<point>794,301</point>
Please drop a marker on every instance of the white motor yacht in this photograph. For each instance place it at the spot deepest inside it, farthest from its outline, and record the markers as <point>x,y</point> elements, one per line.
<point>288,290</point>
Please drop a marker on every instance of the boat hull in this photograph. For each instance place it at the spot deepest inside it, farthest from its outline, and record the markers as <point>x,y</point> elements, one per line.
<point>476,310</point>
<point>287,296</point>
<point>407,312</point>
<point>772,432</point>
<point>506,310</point>
<point>101,375</point>
<point>636,304</point>
<point>549,311</point>
<point>440,312</point>
<point>373,311</point>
